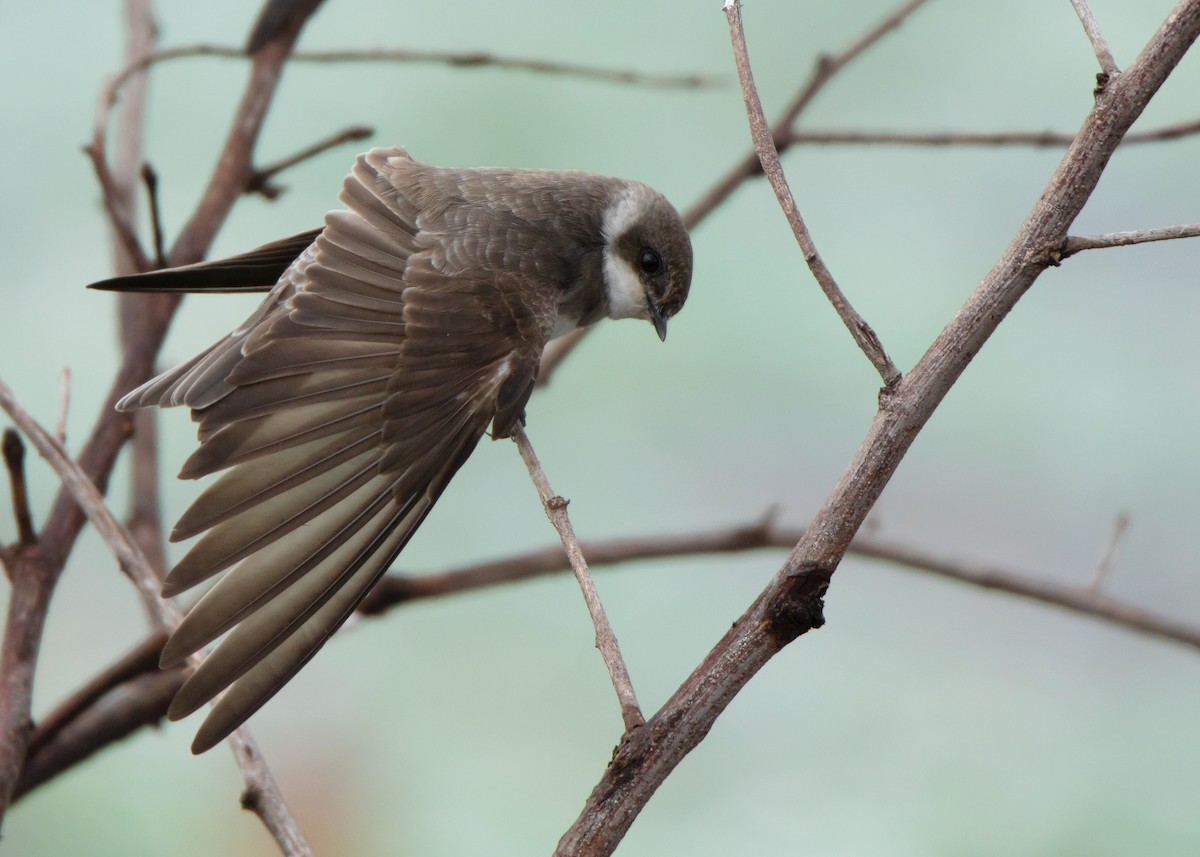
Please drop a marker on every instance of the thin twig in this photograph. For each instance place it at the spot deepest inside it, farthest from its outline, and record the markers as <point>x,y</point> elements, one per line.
<point>140,660</point>
<point>267,803</point>
<point>1108,65</point>
<point>129,556</point>
<point>118,217</point>
<point>261,183</point>
<point>606,640</point>
<point>144,518</point>
<point>14,462</point>
<point>1076,243</point>
<point>824,71</point>
<point>140,701</point>
<point>141,34</point>
<point>235,168</point>
<point>460,59</point>
<point>768,156</point>
<point>36,571</point>
<point>1035,139</point>
<point>150,182</point>
<point>64,405</point>
<point>1105,565</point>
<point>131,174</point>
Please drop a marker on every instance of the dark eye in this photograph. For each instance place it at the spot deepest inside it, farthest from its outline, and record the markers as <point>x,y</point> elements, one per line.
<point>650,262</point>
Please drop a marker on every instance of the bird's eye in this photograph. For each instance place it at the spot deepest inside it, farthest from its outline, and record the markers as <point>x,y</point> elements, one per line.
<point>650,262</point>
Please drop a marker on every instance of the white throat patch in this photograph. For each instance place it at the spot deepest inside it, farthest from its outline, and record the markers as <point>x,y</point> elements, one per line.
<point>626,295</point>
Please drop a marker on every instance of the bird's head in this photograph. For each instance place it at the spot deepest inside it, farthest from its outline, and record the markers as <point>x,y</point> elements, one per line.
<point>647,257</point>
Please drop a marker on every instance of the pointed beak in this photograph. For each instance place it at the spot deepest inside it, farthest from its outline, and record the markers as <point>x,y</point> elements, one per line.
<point>658,320</point>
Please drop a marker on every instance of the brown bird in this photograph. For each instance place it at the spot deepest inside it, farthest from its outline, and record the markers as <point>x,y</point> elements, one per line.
<point>391,338</point>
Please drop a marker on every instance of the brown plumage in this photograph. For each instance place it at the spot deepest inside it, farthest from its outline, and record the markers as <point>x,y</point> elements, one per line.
<point>390,340</point>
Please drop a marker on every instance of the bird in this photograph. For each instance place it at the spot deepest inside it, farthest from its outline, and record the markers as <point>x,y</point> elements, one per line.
<point>389,341</point>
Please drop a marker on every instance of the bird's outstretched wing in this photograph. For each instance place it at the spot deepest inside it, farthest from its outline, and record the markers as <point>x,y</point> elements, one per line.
<point>340,411</point>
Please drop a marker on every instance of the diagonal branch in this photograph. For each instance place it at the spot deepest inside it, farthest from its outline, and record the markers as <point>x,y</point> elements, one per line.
<point>36,570</point>
<point>768,156</point>
<point>262,794</point>
<point>826,69</point>
<point>235,170</point>
<point>792,603</point>
<point>1108,65</point>
<point>262,183</point>
<point>606,640</point>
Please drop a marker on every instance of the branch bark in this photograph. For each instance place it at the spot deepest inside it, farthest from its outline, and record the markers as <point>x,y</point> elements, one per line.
<point>768,156</point>
<point>108,707</point>
<point>826,69</point>
<point>606,639</point>
<point>36,569</point>
<point>792,604</point>
<point>261,794</point>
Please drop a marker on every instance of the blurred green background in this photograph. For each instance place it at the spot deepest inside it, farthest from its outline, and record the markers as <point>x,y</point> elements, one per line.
<point>926,718</point>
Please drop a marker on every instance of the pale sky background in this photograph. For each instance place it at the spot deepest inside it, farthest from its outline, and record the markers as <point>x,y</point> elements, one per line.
<point>926,718</point>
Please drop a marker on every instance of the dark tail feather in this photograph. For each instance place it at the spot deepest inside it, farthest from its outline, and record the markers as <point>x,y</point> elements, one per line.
<point>256,271</point>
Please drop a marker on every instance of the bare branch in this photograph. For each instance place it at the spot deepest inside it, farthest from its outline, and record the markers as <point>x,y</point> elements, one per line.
<point>1168,132</point>
<point>261,182</point>
<point>129,694</point>
<point>129,556</point>
<point>827,67</point>
<point>1081,600</point>
<point>1108,65</point>
<point>140,660</point>
<point>1105,565</point>
<point>1035,139</point>
<point>395,590</point>
<point>866,338</point>
<point>118,217</point>
<point>793,602</point>
<point>14,462</point>
<point>1076,243</point>
<point>460,59</point>
<point>94,723</point>
<point>141,34</point>
<point>150,182</point>
<point>235,169</point>
<point>266,801</point>
<point>140,701</point>
<point>606,640</point>
<point>35,572</point>
<point>64,405</point>
<point>145,501</point>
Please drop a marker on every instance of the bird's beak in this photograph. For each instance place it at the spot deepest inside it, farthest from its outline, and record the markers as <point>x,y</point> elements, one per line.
<point>658,320</point>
